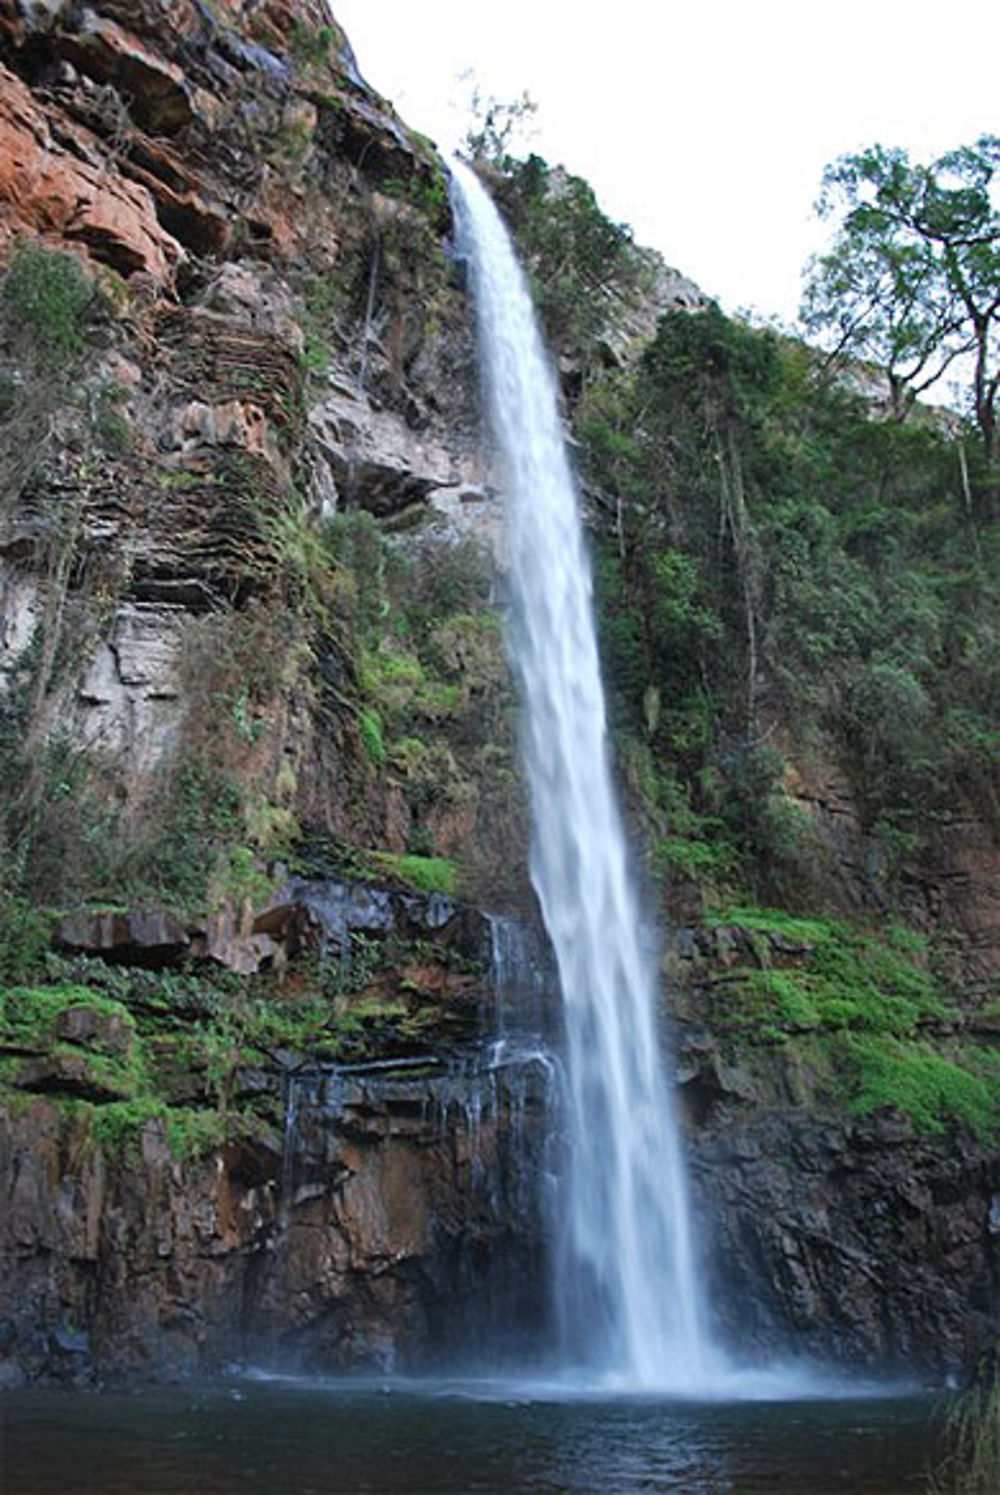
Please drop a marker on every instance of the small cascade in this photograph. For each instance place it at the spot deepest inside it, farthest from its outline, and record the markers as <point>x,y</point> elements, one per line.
<point>626,1287</point>
<point>440,1170</point>
<point>523,977</point>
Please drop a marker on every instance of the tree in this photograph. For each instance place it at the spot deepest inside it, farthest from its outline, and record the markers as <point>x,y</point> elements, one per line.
<point>912,281</point>
<point>496,126</point>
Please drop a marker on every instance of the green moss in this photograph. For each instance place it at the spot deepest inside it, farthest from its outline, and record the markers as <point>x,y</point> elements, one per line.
<point>437,699</point>
<point>370,727</point>
<point>30,1012</point>
<point>121,1122</point>
<point>424,874</point>
<point>706,860</point>
<point>387,667</point>
<point>824,988</point>
<point>928,1088</point>
<point>190,1132</point>
<point>807,931</point>
<point>842,979</point>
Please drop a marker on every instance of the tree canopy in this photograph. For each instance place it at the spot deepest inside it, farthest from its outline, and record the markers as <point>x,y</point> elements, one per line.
<point>912,282</point>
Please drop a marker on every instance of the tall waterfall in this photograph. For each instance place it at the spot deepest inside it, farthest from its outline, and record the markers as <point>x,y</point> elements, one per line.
<point>626,1283</point>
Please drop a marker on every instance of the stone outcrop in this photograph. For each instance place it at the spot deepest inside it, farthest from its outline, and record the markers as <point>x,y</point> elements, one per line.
<point>389,1213</point>
<point>954,885</point>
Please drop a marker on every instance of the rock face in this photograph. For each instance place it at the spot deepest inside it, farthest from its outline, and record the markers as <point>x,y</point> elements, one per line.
<point>392,1214</point>
<point>953,887</point>
<point>852,1244</point>
<point>396,1223</point>
<point>60,186</point>
<point>279,337</point>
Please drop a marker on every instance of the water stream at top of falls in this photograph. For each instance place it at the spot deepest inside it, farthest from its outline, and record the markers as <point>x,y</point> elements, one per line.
<point>626,1285</point>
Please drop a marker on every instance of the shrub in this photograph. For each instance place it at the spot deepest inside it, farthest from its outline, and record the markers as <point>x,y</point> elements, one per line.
<point>45,297</point>
<point>25,934</point>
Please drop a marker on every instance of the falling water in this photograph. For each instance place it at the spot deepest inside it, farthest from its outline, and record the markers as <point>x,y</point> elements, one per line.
<point>628,1295</point>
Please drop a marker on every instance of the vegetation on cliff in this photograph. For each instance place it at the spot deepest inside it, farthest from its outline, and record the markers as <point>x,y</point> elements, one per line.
<point>787,575</point>
<point>796,588</point>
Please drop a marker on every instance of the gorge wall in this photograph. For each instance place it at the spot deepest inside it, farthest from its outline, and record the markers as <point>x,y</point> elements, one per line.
<point>260,779</point>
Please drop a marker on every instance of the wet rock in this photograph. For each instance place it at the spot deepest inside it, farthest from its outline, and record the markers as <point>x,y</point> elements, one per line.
<point>855,1234</point>
<point>397,1216</point>
<point>338,909</point>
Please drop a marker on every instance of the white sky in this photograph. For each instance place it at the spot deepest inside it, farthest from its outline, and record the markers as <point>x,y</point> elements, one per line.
<point>706,127</point>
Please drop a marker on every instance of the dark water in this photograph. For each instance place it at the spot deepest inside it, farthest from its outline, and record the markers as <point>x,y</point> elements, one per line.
<point>253,1438</point>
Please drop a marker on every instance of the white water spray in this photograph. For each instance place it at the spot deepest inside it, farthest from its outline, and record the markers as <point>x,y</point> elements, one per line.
<point>627,1288</point>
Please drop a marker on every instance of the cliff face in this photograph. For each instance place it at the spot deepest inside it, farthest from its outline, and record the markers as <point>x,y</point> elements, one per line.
<point>256,720</point>
<point>395,1225</point>
<point>269,330</point>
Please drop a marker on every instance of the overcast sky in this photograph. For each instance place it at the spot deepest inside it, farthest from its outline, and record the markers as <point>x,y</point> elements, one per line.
<point>706,127</point>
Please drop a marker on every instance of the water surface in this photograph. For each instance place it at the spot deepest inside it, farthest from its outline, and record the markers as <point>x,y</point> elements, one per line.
<point>252,1437</point>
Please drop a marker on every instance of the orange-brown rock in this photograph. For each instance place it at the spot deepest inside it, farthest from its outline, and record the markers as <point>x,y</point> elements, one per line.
<point>159,94</point>
<point>56,179</point>
<point>177,190</point>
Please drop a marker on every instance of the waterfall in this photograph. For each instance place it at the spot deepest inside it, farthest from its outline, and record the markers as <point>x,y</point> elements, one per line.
<point>625,1281</point>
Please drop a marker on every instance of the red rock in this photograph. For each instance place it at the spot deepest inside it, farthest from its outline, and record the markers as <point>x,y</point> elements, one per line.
<point>58,182</point>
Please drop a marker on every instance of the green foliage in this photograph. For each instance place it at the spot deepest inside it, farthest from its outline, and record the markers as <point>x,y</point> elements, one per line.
<point>423,874</point>
<point>322,299</point>
<point>432,692</point>
<point>583,265</point>
<point>312,45</point>
<point>911,281</point>
<point>45,298</point>
<point>869,999</point>
<point>795,927</point>
<point>972,1433</point>
<point>190,1131</point>
<point>170,1046</point>
<point>767,551</point>
<point>120,1123</point>
<point>29,1013</point>
<point>427,192</point>
<point>370,727</point>
<point>222,804</point>
<point>243,879</point>
<point>496,126</point>
<point>110,427</point>
<point>25,935</point>
<point>914,1079</point>
<point>846,980</point>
